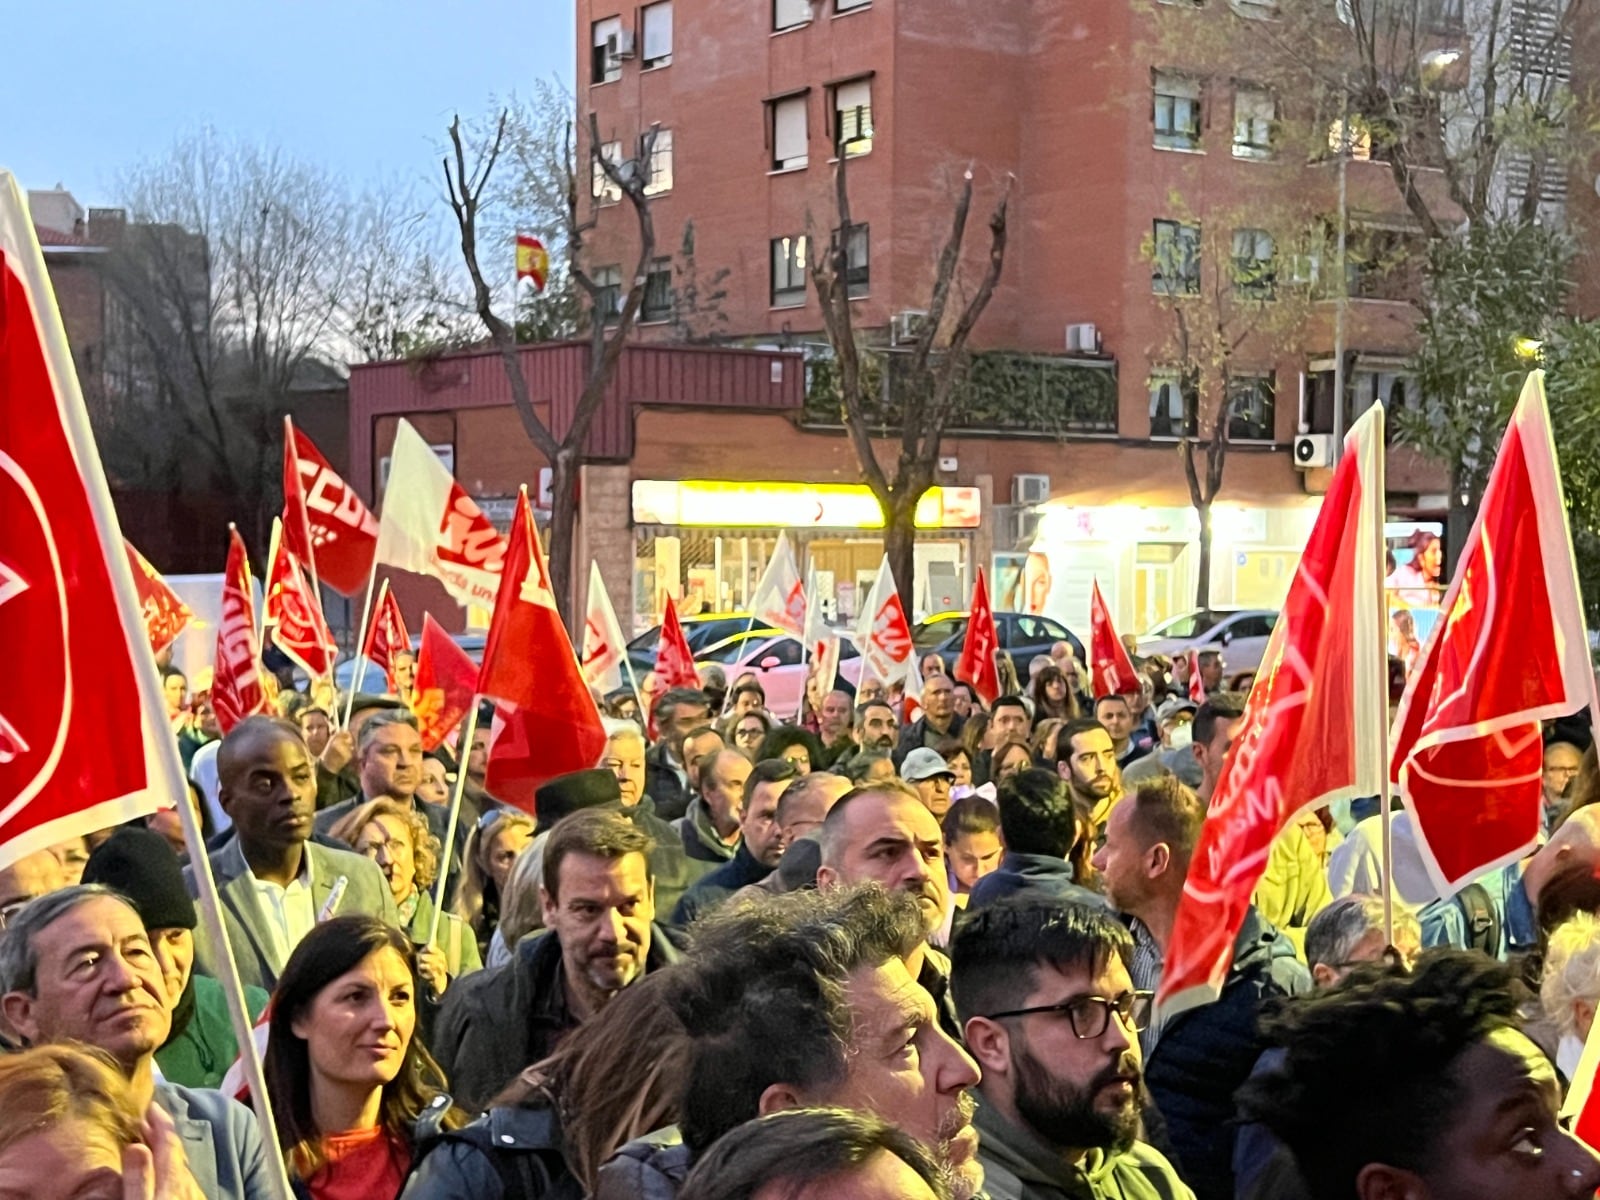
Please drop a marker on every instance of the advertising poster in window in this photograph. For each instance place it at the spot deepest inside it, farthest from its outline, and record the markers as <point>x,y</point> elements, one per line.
<point>1415,561</point>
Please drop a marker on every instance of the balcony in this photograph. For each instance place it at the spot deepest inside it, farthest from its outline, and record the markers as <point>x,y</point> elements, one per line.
<point>1010,395</point>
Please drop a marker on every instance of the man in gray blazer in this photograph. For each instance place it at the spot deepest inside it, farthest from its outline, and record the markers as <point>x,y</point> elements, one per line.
<point>274,883</point>
<point>76,966</point>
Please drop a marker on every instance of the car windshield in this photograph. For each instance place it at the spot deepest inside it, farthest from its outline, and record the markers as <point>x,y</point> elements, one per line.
<point>934,633</point>
<point>1188,625</point>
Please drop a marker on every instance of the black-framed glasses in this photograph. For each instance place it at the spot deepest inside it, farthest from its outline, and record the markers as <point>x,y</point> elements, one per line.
<point>1090,1015</point>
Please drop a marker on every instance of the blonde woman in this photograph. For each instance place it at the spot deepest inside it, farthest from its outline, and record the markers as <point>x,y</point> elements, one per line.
<point>1571,988</point>
<point>492,848</point>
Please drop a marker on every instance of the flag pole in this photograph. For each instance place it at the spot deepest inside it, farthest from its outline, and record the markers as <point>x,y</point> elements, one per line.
<point>1376,494</point>
<point>167,769</point>
<point>361,647</point>
<point>448,846</point>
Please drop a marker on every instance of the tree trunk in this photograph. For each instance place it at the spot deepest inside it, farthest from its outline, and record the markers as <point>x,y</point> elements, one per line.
<point>563,527</point>
<point>1202,586</point>
<point>900,544</point>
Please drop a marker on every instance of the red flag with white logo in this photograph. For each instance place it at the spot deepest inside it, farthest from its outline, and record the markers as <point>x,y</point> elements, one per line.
<point>387,636</point>
<point>674,660</point>
<point>1197,686</point>
<point>163,610</point>
<point>291,616</point>
<point>780,598</point>
<point>547,724</point>
<point>84,737</point>
<point>447,683</point>
<point>1312,730</point>
<point>236,688</point>
<point>325,523</point>
<point>1110,666</point>
<point>604,651</point>
<point>977,664</point>
<point>1508,652</point>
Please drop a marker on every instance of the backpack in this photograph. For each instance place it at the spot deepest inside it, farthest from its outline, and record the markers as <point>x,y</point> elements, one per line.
<point>1468,920</point>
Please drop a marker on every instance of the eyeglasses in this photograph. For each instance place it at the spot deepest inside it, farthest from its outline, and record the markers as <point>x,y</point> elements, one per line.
<point>488,819</point>
<point>8,911</point>
<point>1089,1016</point>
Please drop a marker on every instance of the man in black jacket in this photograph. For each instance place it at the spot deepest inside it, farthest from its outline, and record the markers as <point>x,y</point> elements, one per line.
<point>938,721</point>
<point>599,908</point>
<point>760,842</point>
<point>1039,827</point>
<point>666,775</point>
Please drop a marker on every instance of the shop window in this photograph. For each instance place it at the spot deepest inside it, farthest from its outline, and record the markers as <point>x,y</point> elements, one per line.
<point>657,305</point>
<point>1177,111</point>
<point>1176,259</point>
<point>1250,408</point>
<point>789,268</point>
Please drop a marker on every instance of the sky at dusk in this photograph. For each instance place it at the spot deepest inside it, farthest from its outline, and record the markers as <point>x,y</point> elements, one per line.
<point>362,87</point>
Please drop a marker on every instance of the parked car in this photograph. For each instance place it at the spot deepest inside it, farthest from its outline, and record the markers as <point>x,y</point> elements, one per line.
<point>1022,635</point>
<point>701,632</point>
<point>776,659</point>
<point>1239,633</point>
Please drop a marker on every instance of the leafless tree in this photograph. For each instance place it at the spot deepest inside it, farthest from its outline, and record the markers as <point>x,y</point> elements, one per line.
<point>928,387</point>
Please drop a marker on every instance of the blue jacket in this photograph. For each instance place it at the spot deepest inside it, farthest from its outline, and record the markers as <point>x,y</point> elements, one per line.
<point>739,871</point>
<point>221,1142</point>
<point>506,1154</point>
<point>1202,1055</point>
<point>1039,873</point>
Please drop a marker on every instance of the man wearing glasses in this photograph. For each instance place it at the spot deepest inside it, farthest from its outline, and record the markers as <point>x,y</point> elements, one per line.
<point>1052,1016</point>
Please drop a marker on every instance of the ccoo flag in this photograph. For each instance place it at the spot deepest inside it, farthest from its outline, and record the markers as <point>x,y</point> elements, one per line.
<point>1508,652</point>
<point>236,688</point>
<point>325,524</point>
<point>1323,684</point>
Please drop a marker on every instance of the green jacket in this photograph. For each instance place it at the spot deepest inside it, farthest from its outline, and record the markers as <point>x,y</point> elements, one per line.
<point>1018,1166</point>
<point>201,1054</point>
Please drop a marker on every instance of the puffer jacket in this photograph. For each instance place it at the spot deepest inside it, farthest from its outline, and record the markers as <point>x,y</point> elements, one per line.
<point>1202,1055</point>
<point>506,1154</point>
<point>652,1167</point>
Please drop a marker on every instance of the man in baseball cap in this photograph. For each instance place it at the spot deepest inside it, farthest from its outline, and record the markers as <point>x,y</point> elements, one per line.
<point>927,771</point>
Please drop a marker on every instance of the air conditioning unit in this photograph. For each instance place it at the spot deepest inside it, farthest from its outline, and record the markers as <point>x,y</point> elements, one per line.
<point>620,45</point>
<point>1083,339</point>
<point>1313,450</point>
<point>1030,489</point>
<point>908,328</point>
<point>1024,528</point>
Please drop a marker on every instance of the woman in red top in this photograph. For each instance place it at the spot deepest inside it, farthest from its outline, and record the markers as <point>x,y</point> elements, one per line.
<point>348,1079</point>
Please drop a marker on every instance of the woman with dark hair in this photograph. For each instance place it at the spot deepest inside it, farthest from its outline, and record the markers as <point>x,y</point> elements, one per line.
<point>1009,759</point>
<point>1052,698</point>
<point>350,1084</point>
<point>955,756</point>
<point>800,746</point>
<point>745,732</point>
<point>548,1133</point>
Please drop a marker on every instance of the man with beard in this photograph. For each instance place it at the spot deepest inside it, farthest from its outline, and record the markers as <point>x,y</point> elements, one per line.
<point>876,727</point>
<point>1052,1017</point>
<point>1087,759</point>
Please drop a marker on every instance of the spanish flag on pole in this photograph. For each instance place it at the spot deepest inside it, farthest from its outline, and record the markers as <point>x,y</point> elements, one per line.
<point>533,261</point>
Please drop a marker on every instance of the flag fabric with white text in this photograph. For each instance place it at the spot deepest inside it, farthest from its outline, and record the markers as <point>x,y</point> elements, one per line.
<point>1111,669</point>
<point>977,664</point>
<point>1509,651</point>
<point>1312,730</point>
<point>291,615</point>
<point>325,523</point>
<point>447,681</point>
<point>80,744</point>
<point>236,688</point>
<point>387,636</point>
<point>780,597</point>
<point>546,723</point>
<point>164,612</point>
<point>603,647</point>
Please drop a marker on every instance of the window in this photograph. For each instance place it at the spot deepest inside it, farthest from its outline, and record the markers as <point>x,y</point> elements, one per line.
<point>608,304</point>
<point>787,14</point>
<point>789,133</point>
<point>656,21</point>
<point>789,271</point>
<point>1177,111</point>
<point>657,303</point>
<point>1166,407</point>
<point>1254,265</point>
<point>1359,139</point>
<point>849,5</point>
<point>1177,259</point>
<point>1250,408</point>
<point>602,187</point>
<point>852,118</point>
<point>660,164</point>
<point>857,277</point>
<point>606,66</point>
<point>1258,10</point>
<point>1253,114</point>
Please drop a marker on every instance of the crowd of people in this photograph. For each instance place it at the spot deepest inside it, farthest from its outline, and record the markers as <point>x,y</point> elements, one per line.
<point>905,947</point>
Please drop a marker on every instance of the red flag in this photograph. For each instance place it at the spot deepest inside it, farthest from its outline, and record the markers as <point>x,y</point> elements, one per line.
<point>447,681</point>
<point>1323,684</point>
<point>977,663</point>
<point>674,660</point>
<point>1508,652</point>
<point>1197,686</point>
<point>326,525</point>
<point>83,732</point>
<point>236,688</point>
<point>164,612</point>
<point>1111,668</point>
<point>387,635</point>
<point>547,724</point>
<point>291,615</point>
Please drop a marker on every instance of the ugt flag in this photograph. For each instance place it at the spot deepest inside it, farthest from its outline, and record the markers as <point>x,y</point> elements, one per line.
<point>84,738</point>
<point>387,637</point>
<point>1312,728</point>
<point>291,614</point>
<point>604,651</point>
<point>780,599</point>
<point>1509,650</point>
<point>977,664</point>
<point>237,691</point>
<point>883,635</point>
<point>1110,666</point>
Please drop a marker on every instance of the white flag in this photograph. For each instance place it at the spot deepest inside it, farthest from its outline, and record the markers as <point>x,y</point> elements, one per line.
<point>603,647</point>
<point>883,635</point>
<point>780,600</point>
<point>822,648</point>
<point>431,526</point>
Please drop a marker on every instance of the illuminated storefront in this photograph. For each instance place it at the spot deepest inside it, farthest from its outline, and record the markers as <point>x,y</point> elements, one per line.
<point>705,543</point>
